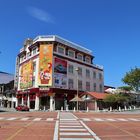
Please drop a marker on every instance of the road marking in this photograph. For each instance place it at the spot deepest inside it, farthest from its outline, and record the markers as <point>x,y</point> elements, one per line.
<point>55,137</point>
<point>10,119</point>
<point>1,118</point>
<point>58,114</point>
<point>49,119</point>
<point>66,123</point>
<point>77,139</point>
<point>37,119</point>
<point>74,134</point>
<point>70,126</point>
<point>68,119</point>
<point>111,120</point>
<point>70,129</point>
<point>132,119</point>
<point>24,119</point>
<point>121,119</point>
<point>98,119</point>
<point>86,119</point>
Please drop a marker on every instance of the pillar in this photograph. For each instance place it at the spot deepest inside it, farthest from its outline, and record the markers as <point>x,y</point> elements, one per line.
<point>16,101</point>
<point>28,101</point>
<point>95,105</point>
<point>37,103</point>
<point>51,103</point>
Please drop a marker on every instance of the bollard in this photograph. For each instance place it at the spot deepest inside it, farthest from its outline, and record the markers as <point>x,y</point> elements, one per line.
<point>110,109</point>
<point>87,109</point>
<point>119,108</point>
<point>62,108</point>
<point>134,107</point>
<point>74,109</point>
<point>130,108</point>
<point>125,108</point>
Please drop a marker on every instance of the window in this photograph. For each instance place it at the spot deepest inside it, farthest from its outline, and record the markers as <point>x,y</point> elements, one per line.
<point>100,87</point>
<point>100,76</point>
<point>88,86</point>
<point>79,71</point>
<point>87,73</point>
<point>94,74</point>
<point>79,56</point>
<point>60,50</point>
<point>70,83</point>
<point>94,86</point>
<point>34,66</point>
<point>33,81</point>
<point>34,51</point>
<point>70,53</point>
<point>87,59</point>
<point>79,84</point>
<point>28,54</point>
<point>70,69</point>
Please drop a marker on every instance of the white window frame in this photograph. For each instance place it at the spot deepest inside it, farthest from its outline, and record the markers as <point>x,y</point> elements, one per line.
<point>79,54</point>
<point>73,53</point>
<point>61,48</point>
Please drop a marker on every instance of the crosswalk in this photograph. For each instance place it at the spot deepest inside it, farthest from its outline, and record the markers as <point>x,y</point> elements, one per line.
<point>70,120</point>
<point>71,128</point>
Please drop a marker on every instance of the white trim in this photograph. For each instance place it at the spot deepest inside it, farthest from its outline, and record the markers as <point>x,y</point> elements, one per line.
<point>55,137</point>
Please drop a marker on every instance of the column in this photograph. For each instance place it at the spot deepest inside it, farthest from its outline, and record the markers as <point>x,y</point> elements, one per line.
<point>95,105</point>
<point>51,102</point>
<point>16,101</point>
<point>37,103</point>
<point>28,101</point>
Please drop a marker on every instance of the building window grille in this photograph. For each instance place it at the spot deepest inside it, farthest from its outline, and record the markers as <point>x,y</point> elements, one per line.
<point>88,86</point>
<point>79,71</point>
<point>70,83</point>
<point>33,81</point>
<point>100,88</point>
<point>79,56</point>
<point>34,66</point>
<point>87,59</point>
<point>94,86</point>
<point>70,69</point>
<point>94,75</point>
<point>60,50</point>
<point>34,51</point>
<point>87,73</point>
<point>70,53</point>
<point>79,84</point>
<point>100,76</point>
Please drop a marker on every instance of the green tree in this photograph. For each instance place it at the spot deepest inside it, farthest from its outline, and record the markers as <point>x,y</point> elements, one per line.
<point>132,78</point>
<point>125,88</point>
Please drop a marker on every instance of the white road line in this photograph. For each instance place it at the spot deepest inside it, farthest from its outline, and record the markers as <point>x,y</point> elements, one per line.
<point>55,137</point>
<point>74,134</point>
<point>49,119</point>
<point>1,118</point>
<point>98,119</point>
<point>37,119</point>
<point>70,129</point>
<point>70,126</point>
<point>10,119</point>
<point>58,115</point>
<point>121,119</point>
<point>67,119</point>
<point>74,116</point>
<point>86,119</point>
<point>77,139</point>
<point>111,120</point>
<point>65,123</point>
<point>24,119</point>
<point>132,119</point>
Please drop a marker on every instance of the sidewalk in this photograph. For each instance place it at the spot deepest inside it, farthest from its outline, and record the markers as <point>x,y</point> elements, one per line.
<point>4,109</point>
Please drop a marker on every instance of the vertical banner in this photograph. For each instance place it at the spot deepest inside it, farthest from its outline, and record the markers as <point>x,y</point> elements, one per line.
<point>60,73</point>
<point>45,65</point>
<point>26,75</point>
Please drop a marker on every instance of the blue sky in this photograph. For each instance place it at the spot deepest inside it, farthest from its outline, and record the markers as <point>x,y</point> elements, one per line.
<point>110,28</point>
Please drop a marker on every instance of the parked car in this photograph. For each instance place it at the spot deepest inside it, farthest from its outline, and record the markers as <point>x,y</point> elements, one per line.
<point>22,108</point>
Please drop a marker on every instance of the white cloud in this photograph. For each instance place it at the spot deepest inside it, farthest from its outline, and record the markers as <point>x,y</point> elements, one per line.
<point>40,14</point>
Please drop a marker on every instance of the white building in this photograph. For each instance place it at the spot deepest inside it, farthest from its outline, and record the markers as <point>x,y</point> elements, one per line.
<point>50,70</point>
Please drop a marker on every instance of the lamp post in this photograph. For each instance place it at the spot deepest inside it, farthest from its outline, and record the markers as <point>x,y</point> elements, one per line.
<point>77,86</point>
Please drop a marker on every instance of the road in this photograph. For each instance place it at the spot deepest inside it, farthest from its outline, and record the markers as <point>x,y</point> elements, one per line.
<point>69,126</point>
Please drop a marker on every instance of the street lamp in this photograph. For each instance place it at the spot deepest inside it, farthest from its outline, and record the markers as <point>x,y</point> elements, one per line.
<point>77,86</point>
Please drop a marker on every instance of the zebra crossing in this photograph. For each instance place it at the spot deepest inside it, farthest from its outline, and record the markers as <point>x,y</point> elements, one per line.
<point>82,119</point>
<point>71,128</point>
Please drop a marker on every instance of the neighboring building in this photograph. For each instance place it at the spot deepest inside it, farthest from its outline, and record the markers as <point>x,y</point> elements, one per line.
<point>50,69</point>
<point>7,92</point>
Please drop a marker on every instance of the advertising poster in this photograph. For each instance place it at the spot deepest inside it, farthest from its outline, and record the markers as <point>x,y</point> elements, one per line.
<point>45,65</point>
<point>26,75</point>
<point>60,73</point>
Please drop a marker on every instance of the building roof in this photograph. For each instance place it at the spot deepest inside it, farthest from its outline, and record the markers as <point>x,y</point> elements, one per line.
<point>5,77</point>
<point>99,96</point>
